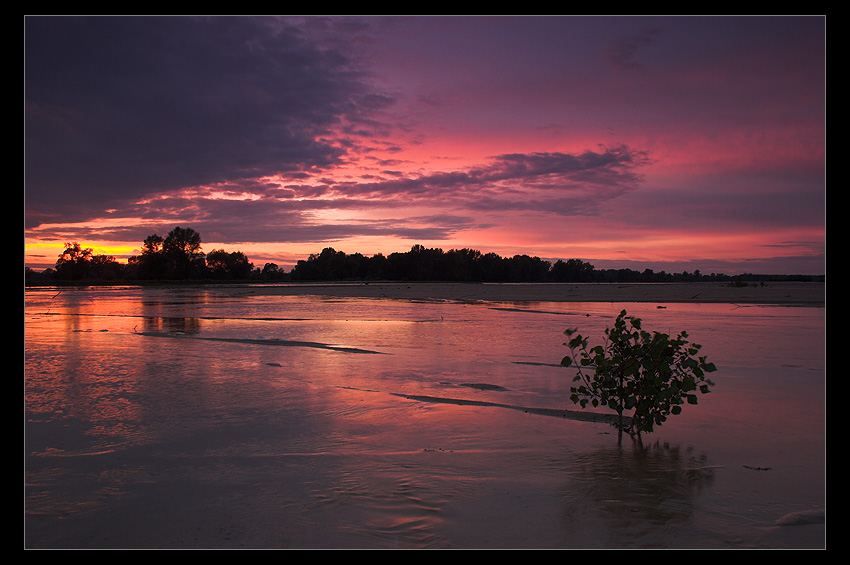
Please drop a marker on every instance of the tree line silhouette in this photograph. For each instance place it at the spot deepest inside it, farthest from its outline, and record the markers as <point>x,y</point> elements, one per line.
<point>178,257</point>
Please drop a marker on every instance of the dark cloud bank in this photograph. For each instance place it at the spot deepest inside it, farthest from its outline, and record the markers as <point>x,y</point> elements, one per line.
<point>121,109</point>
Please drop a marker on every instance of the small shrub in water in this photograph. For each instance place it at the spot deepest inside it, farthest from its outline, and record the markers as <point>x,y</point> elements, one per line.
<point>650,374</point>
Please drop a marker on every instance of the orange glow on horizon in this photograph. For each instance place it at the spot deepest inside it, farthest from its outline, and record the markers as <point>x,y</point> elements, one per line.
<point>647,247</point>
<point>42,254</point>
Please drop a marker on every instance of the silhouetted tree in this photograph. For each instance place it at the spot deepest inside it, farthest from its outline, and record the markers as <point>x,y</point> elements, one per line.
<point>183,256</point>
<point>151,264</point>
<point>271,272</point>
<point>330,265</point>
<point>177,256</point>
<point>522,268</point>
<point>73,262</point>
<point>76,263</point>
<point>572,270</point>
<point>460,265</point>
<point>375,267</point>
<point>490,268</point>
<point>224,265</point>
<point>105,267</point>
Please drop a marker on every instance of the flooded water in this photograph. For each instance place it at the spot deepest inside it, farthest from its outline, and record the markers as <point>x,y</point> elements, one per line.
<point>204,418</point>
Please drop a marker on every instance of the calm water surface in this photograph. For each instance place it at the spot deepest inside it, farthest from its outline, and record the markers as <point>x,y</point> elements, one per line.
<point>159,418</point>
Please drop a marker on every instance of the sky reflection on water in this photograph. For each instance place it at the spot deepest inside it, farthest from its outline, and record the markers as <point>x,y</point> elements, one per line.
<point>191,418</point>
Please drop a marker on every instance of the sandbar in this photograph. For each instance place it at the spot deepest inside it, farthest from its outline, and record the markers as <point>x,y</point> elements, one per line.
<point>781,293</point>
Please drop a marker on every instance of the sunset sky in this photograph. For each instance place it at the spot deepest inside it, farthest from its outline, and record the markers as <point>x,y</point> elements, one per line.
<point>670,143</point>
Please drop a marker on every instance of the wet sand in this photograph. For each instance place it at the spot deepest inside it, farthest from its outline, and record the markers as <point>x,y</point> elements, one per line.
<point>784,293</point>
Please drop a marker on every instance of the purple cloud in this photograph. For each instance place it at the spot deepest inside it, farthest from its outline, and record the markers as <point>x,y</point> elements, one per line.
<point>608,169</point>
<point>121,107</point>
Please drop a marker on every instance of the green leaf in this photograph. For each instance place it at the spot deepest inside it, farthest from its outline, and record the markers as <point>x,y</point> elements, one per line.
<point>648,373</point>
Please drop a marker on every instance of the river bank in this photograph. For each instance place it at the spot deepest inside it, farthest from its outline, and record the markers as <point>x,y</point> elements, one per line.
<point>785,293</point>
